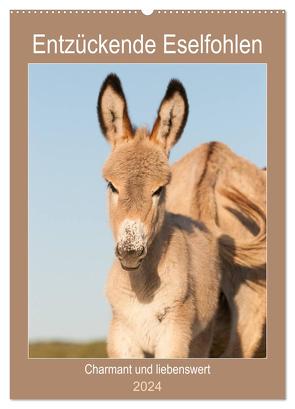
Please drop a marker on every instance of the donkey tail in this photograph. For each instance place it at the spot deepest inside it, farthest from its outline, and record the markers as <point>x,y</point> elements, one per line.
<point>249,254</point>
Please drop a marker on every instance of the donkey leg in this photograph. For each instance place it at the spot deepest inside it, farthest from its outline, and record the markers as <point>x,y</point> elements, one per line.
<point>173,343</point>
<point>233,347</point>
<point>250,306</point>
<point>201,344</point>
<point>121,343</point>
<point>176,333</point>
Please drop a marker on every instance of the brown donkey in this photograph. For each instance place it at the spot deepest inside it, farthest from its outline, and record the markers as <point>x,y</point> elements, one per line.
<point>206,170</point>
<point>164,285</point>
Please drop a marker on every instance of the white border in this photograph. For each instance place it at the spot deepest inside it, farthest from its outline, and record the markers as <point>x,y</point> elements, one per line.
<point>5,5</point>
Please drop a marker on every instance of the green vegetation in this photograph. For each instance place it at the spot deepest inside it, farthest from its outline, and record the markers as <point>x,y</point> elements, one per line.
<point>57,349</point>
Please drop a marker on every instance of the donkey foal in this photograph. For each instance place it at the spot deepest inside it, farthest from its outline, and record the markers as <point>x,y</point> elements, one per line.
<point>165,281</point>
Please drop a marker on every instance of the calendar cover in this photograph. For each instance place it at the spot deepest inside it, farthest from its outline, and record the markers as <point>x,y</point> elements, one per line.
<point>147,204</point>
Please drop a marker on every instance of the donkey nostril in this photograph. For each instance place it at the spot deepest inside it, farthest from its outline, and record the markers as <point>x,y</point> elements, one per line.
<point>140,251</point>
<point>118,252</point>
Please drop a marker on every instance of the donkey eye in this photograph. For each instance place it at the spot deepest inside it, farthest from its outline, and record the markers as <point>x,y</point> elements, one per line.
<point>158,191</point>
<point>112,187</point>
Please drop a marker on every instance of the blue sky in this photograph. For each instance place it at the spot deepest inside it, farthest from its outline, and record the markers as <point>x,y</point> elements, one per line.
<point>70,242</point>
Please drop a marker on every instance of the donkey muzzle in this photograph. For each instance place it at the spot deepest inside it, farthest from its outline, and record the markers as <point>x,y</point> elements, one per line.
<point>130,259</point>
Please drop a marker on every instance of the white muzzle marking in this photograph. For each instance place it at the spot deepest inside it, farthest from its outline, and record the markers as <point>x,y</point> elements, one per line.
<point>132,236</point>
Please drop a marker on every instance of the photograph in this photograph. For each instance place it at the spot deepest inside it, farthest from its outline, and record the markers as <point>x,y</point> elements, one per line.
<point>147,210</point>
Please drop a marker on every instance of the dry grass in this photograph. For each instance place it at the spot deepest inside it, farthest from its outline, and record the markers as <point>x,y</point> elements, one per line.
<point>57,349</point>
<point>97,349</point>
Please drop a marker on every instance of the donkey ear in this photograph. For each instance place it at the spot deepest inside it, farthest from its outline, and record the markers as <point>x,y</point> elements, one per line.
<point>172,116</point>
<point>112,111</point>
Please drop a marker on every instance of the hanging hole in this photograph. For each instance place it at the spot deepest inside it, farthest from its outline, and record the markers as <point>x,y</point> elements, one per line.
<point>147,12</point>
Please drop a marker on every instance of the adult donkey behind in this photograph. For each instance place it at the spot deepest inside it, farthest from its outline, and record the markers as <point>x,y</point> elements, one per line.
<point>165,282</point>
<point>240,332</point>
